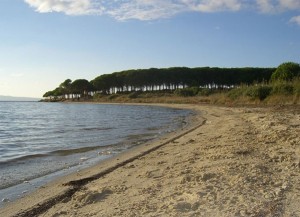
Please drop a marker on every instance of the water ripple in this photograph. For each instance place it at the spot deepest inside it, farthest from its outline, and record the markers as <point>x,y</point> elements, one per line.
<point>39,138</point>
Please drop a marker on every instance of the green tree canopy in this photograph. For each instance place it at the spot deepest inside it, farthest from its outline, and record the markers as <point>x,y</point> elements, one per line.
<point>65,87</point>
<point>169,79</point>
<point>286,71</point>
<point>81,86</point>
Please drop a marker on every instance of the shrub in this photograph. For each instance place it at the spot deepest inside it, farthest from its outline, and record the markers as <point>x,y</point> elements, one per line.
<point>235,93</point>
<point>286,72</point>
<point>282,88</point>
<point>113,96</point>
<point>98,95</point>
<point>260,92</point>
<point>190,91</point>
<point>134,95</point>
<point>205,92</point>
<point>296,85</point>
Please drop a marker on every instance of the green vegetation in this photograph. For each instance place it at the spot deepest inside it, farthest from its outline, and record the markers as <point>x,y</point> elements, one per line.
<point>283,91</point>
<point>181,84</point>
<point>77,89</point>
<point>286,72</point>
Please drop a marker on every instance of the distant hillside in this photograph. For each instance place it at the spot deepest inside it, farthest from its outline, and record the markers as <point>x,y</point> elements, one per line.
<point>12,98</point>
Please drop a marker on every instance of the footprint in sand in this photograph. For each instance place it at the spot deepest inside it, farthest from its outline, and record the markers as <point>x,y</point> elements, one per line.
<point>186,207</point>
<point>154,174</point>
<point>91,197</point>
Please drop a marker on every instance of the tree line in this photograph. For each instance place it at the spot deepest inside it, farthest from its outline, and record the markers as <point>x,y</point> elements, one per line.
<point>155,79</point>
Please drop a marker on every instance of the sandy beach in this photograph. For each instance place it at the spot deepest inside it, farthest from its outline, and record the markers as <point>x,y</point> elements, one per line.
<point>227,162</point>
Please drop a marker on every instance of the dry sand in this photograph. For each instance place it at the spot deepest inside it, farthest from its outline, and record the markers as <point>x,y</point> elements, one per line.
<point>229,162</point>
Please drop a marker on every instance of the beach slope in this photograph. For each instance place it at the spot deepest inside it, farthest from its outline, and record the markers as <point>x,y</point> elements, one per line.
<point>227,162</point>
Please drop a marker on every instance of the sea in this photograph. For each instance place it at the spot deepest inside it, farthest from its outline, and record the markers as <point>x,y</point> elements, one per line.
<point>41,141</point>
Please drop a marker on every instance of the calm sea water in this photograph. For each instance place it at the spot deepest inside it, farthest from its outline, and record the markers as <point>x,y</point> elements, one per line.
<point>38,140</point>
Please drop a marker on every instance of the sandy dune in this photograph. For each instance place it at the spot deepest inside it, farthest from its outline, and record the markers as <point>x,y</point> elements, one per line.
<point>229,162</point>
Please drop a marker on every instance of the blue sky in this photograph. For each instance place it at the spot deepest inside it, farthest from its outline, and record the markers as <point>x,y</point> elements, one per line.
<point>44,42</point>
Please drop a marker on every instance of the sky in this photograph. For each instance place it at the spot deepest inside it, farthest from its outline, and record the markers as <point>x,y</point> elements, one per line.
<point>44,42</point>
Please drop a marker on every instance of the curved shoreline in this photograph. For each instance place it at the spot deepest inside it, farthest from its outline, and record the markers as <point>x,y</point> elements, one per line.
<point>57,149</point>
<point>62,190</point>
<point>230,162</point>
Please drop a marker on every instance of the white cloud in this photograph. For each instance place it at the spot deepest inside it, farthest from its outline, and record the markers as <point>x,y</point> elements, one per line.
<point>273,6</point>
<point>155,9</point>
<point>132,9</point>
<point>290,4</point>
<point>266,6</point>
<point>295,19</point>
<point>69,7</point>
<point>145,9</point>
<point>214,5</point>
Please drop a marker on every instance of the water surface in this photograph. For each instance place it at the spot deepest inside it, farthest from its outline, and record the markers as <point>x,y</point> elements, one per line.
<point>38,140</point>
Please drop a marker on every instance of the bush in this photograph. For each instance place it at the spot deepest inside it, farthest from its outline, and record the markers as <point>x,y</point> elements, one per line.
<point>98,95</point>
<point>134,95</point>
<point>113,96</point>
<point>286,72</point>
<point>260,92</point>
<point>296,85</point>
<point>283,89</point>
<point>236,93</point>
<point>205,92</point>
<point>190,91</point>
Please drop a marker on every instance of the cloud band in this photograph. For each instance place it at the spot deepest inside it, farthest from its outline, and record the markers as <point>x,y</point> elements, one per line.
<point>156,9</point>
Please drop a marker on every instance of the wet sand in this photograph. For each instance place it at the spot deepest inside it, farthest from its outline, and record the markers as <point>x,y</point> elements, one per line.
<point>227,162</point>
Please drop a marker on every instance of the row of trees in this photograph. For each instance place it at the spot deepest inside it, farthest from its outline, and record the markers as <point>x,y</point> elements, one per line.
<point>154,79</point>
<point>68,89</point>
<point>178,77</point>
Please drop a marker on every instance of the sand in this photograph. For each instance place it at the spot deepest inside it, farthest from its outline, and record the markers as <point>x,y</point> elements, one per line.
<point>227,162</point>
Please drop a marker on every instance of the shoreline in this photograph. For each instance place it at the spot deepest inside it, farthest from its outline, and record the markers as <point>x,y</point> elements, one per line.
<point>229,161</point>
<point>82,157</point>
<point>113,161</point>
